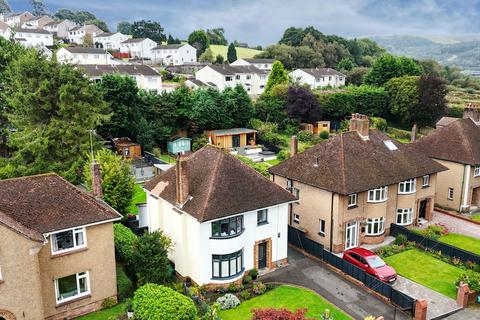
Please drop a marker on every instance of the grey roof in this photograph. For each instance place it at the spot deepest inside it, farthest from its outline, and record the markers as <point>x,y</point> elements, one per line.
<point>259,60</point>
<point>230,132</point>
<point>86,50</point>
<point>134,40</point>
<point>199,83</point>
<point>227,70</point>
<point>107,34</point>
<point>169,46</point>
<point>40,31</point>
<point>322,72</point>
<point>96,70</point>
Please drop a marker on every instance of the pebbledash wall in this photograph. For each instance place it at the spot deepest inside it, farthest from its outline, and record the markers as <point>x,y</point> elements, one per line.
<point>193,246</point>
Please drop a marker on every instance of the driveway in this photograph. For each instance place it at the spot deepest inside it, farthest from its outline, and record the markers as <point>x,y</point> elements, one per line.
<point>455,225</point>
<point>352,299</point>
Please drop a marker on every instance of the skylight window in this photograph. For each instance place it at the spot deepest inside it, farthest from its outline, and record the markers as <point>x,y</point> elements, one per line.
<point>390,145</point>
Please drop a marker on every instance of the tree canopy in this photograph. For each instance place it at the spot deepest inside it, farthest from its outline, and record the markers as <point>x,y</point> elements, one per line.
<point>302,105</point>
<point>199,40</point>
<point>148,29</point>
<point>124,27</point>
<point>231,53</point>
<point>38,8</point>
<point>217,36</point>
<point>5,7</point>
<point>278,75</point>
<point>388,66</point>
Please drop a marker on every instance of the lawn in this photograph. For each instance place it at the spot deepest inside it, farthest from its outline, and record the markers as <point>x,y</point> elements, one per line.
<point>476,217</point>
<point>426,270</point>
<point>288,297</point>
<point>241,52</point>
<point>273,162</point>
<point>167,158</point>
<point>116,311</point>
<point>139,196</point>
<point>463,242</point>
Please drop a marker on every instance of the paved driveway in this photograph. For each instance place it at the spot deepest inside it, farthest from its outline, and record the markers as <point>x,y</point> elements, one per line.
<point>456,225</point>
<point>349,297</point>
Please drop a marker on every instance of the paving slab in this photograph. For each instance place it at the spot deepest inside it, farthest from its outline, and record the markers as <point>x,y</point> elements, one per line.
<point>471,313</point>
<point>455,225</point>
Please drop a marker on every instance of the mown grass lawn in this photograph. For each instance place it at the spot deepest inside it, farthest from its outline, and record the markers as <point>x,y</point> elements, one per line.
<point>426,270</point>
<point>476,217</point>
<point>241,52</point>
<point>139,196</point>
<point>291,298</point>
<point>463,242</point>
<point>116,311</point>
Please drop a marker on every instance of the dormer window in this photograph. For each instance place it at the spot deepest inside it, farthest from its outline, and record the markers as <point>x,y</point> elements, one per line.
<point>407,186</point>
<point>68,240</point>
<point>378,194</point>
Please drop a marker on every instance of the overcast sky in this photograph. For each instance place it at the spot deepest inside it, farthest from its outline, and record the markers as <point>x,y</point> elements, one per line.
<point>263,21</point>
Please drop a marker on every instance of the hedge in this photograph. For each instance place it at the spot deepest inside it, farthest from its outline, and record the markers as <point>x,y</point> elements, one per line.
<point>124,239</point>
<point>124,284</point>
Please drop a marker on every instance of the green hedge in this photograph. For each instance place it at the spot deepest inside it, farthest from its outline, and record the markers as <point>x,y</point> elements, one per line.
<point>124,284</point>
<point>124,239</point>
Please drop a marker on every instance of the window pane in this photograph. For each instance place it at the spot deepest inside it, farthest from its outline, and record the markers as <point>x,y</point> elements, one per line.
<point>215,229</point>
<point>224,229</point>
<point>239,263</point>
<point>216,268</point>
<point>83,284</point>
<point>63,240</point>
<point>233,266</point>
<point>225,272</point>
<point>79,237</point>
<point>67,287</point>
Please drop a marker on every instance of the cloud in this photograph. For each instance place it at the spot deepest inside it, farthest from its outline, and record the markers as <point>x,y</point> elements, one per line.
<point>263,22</point>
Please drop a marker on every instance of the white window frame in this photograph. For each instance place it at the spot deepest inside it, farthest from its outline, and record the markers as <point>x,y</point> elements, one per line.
<point>1,275</point>
<point>406,216</point>
<point>296,193</point>
<point>75,246</point>
<point>322,223</point>
<point>259,223</point>
<point>79,276</point>
<point>410,183</point>
<point>450,193</point>
<point>296,218</point>
<point>352,200</point>
<point>476,171</point>
<point>371,223</point>
<point>426,181</point>
<point>383,194</point>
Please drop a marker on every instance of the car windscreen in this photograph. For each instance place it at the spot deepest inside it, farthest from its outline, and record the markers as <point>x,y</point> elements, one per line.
<point>375,262</point>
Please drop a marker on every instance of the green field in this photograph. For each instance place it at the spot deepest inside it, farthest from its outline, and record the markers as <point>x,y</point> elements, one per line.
<point>458,97</point>
<point>241,52</point>
<point>426,270</point>
<point>463,242</point>
<point>291,298</point>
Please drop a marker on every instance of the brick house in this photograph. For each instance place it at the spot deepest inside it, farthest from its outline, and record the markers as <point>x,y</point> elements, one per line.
<point>224,217</point>
<point>57,258</point>
<point>354,185</point>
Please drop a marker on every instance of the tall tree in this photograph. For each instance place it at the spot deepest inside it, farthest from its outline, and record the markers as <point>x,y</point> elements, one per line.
<point>117,180</point>
<point>170,39</point>
<point>5,7</point>
<point>124,27</point>
<point>231,53</point>
<point>219,59</point>
<point>199,40</point>
<point>207,56</point>
<point>278,75</point>
<point>239,105</point>
<point>432,104</point>
<point>76,16</point>
<point>217,36</point>
<point>404,97</point>
<point>388,66</point>
<point>52,106</point>
<point>99,23</point>
<point>38,8</point>
<point>148,29</point>
<point>302,105</point>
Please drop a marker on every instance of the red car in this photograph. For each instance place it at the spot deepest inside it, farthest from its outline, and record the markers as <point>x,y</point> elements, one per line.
<point>371,263</point>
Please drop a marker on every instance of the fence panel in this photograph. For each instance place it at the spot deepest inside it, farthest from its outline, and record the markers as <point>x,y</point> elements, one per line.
<point>296,237</point>
<point>402,300</point>
<point>378,286</point>
<point>314,248</point>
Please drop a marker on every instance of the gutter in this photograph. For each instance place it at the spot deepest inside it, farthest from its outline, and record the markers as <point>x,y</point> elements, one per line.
<point>465,187</point>
<point>331,223</point>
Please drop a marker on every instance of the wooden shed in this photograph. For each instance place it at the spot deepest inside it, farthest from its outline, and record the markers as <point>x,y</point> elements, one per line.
<point>316,127</point>
<point>127,148</point>
<point>178,145</point>
<point>232,138</point>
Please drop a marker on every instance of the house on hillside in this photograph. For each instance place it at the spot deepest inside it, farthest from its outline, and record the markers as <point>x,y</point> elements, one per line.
<point>111,41</point>
<point>76,34</point>
<point>37,22</point>
<point>138,48</point>
<point>232,138</point>
<point>60,28</point>
<point>16,19</point>
<point>223,217</point>
<point>57,257</point>
<point>352,186</point>
<point>262,64</point>
<point>146,77</point>
<point>223,76</point>
<point>5,30</point>
<point>319,78</point>
<point>33,37</point>
<point>174,54</point>
<point>457,147</point>
<point>82,55</point>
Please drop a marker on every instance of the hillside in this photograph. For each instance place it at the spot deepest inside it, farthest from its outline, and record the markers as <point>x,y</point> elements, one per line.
<point>461,51</point>
<point>458,97</point>
<point>241,52</point>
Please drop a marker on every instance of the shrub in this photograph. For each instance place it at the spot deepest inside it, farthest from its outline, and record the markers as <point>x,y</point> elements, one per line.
<point>304,136</point>
<point>324,134</point>
<point>232,287</point>
<point>199,142</point>
<point>212,312</point>
<point>379,123</point>
<point>247,279</point>
<point>434,231</point>
<point>157,302</point>
<point>245,294</point>
<point>124,239</point>
<point>472,279</point>
<point>259,288</point>
<point>283,155</point>
<point>228,301</point>
<point>401,239</point>
<point>254,273</point>
<point>220,289</point>
<point>108,303</point>
<point>278,314</point>
<point>195,291</point>
<point>124,284</point>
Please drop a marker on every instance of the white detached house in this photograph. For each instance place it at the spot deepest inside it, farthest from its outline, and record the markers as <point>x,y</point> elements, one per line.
<point>111,41</point>
<point>81,55</point>
<point>319,78</point>
<point>223,217</point>
<point>138,47</point>
<point>174,54</point>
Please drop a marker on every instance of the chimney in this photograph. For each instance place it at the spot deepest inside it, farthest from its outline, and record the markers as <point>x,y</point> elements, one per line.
<point>182,185</point>
<point>361,124</point>
<point>472,111</point>
<point>96,180</point>
<point>413,135</point>
<point>293,146</point>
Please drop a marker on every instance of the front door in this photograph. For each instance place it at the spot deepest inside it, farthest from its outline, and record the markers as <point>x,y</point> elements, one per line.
<point>236,141</point>
<point>351,235</point>
<point>262,255</point>
<point>422,210</point>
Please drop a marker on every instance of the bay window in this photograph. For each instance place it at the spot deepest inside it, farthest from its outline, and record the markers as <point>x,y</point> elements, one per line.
<point>378,194</point>
<point>68,240</point>
<point>72,287</point>
<point>407,186</point>
<point>228,227</point>
<point>375,226</point>
<point>404,216</point>
<point>227,265</point>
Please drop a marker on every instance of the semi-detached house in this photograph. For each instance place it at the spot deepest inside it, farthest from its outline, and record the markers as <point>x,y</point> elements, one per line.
<point>223,217</point>
<point>57,257</point>
<point>352,186</point>
<point>33,37</point>
<point>319,77</point>
<point>138,47</point>
<point>111,41</point>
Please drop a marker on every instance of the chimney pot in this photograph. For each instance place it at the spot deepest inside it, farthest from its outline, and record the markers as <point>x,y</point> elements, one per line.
<point>96,180</point>
<point>293,146</point>
<point>361,124</point>
<point>182,184</point>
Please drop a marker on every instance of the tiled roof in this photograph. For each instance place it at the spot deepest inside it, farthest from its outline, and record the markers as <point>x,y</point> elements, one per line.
<point>227,70</point>
<point>134,40</point>
<point>445,121</point>
<point>259,60</point>
<point>40,31</point>
<point>35,205</point>
<point>219,186</point>
<point>458,142</point>
<point>346,163</point>
<point>86,50</point>
<point>169,46</point>
<point>97,70</point>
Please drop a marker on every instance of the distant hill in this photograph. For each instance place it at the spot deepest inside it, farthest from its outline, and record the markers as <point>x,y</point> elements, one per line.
<point>241,52</point>
<point>460,51</point>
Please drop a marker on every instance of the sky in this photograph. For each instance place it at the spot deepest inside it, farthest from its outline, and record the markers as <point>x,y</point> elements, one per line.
<point>263,21</point>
